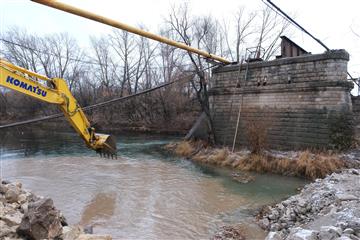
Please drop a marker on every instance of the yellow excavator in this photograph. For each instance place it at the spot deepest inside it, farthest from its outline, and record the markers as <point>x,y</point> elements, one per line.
<point>56,91</point>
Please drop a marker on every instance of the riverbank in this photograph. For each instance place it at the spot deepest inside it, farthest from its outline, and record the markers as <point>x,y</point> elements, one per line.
<point>24,215</point>
<point>178,128</point>
<point>328,208</point>
<point>307,164</point>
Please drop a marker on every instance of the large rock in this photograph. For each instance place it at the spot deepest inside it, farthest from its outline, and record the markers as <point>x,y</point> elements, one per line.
<point>273,236</point>
<point>12,219</point>
<point>12,194</point>
<point>22,198</point>
<point>302,234</point>
<point>42,221</point>
<point>71,233</point>
<point>2,209</point>
<point>3,188</point>
<point>93,237</point>
<point>4,229</point>
<point>344,238</point>
<point>229,232</point>
<point>354,224</point>
<point>325,207</point>
<point>329,232</point>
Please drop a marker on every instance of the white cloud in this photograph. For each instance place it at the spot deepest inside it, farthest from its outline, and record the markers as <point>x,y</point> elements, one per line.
<point>330,21</point>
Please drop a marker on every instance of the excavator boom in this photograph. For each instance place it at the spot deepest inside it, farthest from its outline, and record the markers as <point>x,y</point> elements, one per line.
<point>56,92</point>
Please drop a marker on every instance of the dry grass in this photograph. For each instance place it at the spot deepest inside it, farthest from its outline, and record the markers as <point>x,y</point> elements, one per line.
<point>306,164</point>
<point>184,149</point>
<point>256,132</point>
<point>212,156</point>
<point>317,165</point>
<point>219,156</point>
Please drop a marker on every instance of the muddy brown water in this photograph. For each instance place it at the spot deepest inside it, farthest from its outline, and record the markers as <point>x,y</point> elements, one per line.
<point>144,194</point>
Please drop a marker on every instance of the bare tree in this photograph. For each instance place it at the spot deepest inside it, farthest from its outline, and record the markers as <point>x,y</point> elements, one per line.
<point>171,60</point>
<point>105,69</point>
<point>235,40</point>
<point>255,29</point>
<point>53,55</point>
<point>126,64</point>
<point>123,43</point>
<point>243,30</point>
<point>146,53</point>
<point>270,27</point>
<point>66,57</point>
<point>200,32</point>
<point>20,48</point>
<point>135,54</point>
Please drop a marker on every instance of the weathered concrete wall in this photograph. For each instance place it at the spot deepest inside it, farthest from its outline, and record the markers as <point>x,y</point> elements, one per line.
<point>356,113</point>
<point>299,101</point>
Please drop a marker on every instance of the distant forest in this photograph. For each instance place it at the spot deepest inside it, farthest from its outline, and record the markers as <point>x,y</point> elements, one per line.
<point>120,64</point>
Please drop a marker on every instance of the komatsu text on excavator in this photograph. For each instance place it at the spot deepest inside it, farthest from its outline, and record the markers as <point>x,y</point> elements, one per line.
<point>56,92</point>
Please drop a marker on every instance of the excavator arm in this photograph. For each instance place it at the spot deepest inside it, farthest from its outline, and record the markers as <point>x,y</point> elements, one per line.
<point>56,92</point>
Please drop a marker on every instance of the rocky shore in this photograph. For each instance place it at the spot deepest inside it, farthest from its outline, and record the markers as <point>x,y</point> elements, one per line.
<point>23,215</point>
<point>326,209</point>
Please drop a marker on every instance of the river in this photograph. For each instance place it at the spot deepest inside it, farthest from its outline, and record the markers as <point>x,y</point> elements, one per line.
<point>146,193</point>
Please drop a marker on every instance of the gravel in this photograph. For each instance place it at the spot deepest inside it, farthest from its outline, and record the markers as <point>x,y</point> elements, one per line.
<point>326,209</point>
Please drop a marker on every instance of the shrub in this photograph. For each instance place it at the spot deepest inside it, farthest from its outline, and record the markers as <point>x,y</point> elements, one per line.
<point>256,133</point>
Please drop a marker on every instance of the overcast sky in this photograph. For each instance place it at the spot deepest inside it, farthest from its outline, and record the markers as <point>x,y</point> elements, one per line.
<point>330,21</point>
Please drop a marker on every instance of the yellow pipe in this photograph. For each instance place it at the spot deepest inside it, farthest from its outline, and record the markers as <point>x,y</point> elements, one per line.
<point>116,24</point>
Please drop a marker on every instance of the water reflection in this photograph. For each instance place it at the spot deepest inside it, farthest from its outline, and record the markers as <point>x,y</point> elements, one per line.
<point>101,207</point>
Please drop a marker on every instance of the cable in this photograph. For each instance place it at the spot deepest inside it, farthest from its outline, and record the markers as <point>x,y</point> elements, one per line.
<point>98,105</point>
<point>304,30</point>
<point>102,104</point>
<point>296,24</point>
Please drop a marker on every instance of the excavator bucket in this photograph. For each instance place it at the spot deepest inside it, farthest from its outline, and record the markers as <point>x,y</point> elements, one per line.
<point>105,145</point>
